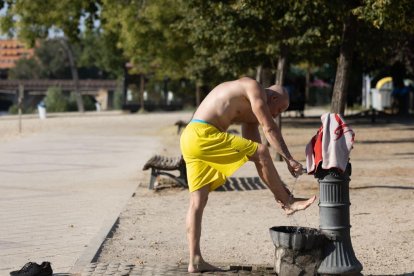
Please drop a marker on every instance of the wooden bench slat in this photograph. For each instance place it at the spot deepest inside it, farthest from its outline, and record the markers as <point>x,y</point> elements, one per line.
<point>158,164</point>
<point>163,163</point>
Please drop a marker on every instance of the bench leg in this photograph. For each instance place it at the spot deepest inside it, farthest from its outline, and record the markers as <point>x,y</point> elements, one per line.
<point>153,178</point>
<point>183,176</point>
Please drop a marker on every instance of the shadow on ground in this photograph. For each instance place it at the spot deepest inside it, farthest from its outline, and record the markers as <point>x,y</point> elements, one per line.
<point>352,120</point>
<point>242,184</point>
<point>382,187</point>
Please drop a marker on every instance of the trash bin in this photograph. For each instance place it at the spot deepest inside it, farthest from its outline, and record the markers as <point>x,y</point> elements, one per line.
<point>41,107</point>
<point>381,99</point>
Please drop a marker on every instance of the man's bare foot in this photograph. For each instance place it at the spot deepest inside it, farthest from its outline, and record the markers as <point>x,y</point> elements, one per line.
<point>202,266</point>
<point>298,204</point>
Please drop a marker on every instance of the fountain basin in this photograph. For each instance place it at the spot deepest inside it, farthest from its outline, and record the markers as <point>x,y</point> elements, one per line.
<point>296,238</point>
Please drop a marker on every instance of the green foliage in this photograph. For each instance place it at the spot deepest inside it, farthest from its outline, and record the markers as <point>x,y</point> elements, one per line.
<point>55,100</point>
<point>207,41</point>
<point>98,49</point>
<point>88,102</point>
<point>390,15</point>
<point>118,99</point>
<point>147,34</point>
<point>96,60</point>
<point>386,29</point>
<point>49,62</point>
<point>26,68</point>
<point>250,33</point>
<point>13,109</point>
<point>31,20</point>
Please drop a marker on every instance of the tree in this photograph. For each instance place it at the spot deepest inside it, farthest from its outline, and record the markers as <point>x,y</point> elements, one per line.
<point>147,36</point>
<point>97,57</point>
<point>31,20</point>
<point>344,65</point>
<point>98,49</point>
<point>48,62</point>
<point>259,34</point>
<point>388,16</point>
<point>391,24</point>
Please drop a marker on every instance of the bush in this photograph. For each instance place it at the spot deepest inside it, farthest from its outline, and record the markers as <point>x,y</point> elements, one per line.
<point>55,100</point>
<point>88,103</point>
<point>118,99</point>
<point>14,109</point>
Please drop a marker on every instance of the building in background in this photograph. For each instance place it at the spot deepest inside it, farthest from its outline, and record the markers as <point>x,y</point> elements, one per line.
<point>12,50</point>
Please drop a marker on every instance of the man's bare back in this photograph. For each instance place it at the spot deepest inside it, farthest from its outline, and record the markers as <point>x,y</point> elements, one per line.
<point>227,103</point>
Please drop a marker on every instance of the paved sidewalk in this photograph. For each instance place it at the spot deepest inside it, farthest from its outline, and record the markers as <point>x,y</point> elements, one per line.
<point>124,269</point>
<point>60,194</point>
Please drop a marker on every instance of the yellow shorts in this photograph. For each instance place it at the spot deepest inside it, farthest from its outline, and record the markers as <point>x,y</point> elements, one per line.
<point>212,155</point>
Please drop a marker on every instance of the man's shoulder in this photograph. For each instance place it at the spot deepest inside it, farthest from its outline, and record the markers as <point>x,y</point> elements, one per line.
<point>247,81</point>
<point>249,84</point>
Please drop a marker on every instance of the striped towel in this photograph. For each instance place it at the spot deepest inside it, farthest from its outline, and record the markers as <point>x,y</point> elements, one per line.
<point>331,145</point>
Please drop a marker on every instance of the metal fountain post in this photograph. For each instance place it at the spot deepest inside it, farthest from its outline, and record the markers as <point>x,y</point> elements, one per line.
<point>338,254</point>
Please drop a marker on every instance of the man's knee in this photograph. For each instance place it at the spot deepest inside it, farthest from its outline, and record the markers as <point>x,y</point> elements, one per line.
<point>199,199</point>
<point>262,154</point>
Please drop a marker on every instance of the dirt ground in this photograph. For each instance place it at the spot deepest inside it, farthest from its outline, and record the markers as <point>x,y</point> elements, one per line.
<point>235,225</point>
<point>151,229</point>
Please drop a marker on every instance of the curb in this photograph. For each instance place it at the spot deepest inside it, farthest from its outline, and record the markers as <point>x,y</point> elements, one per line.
<point>95,246</point>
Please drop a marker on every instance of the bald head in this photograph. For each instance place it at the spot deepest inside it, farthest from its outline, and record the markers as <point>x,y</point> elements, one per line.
<point>278,99</point>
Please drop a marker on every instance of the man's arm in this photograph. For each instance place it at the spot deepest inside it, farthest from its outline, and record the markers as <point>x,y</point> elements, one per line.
<point>258,98</point>
<point>251,131</point>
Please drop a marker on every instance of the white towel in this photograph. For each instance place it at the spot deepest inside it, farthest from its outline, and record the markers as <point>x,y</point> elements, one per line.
<point>331,145</point>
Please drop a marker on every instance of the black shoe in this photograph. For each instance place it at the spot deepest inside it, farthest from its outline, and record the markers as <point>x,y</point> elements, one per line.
<point>33,269</point>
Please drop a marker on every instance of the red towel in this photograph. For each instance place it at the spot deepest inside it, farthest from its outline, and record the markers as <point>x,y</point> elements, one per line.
<point>331,145</point>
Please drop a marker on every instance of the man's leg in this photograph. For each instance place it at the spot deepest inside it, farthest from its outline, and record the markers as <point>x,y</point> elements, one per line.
<point>198,200</point>
<point>268,173</point>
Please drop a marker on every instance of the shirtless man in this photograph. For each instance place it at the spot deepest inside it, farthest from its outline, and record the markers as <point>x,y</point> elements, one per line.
<point>212,154</point>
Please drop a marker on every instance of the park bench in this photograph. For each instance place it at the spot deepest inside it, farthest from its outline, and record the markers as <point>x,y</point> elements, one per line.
<point>162,165</point>
<point>180,125</point>
<point>298,106</point>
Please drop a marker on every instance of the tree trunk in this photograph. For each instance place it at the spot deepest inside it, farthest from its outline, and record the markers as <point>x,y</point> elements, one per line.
<point>281,67</point>
<point>141,92</point>
<point>307,85</point>
<point>259,74</point>
<point>124,86</point>
<point>280,77</point>
<point>264,75</point>
<point>344,65</point>
<point>198,94</point>
<point>74,71</point>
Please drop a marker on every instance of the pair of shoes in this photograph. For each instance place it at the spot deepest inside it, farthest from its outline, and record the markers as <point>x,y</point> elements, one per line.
<point>34,269</point>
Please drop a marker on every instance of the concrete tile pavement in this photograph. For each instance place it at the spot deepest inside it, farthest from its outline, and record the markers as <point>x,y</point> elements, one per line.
<point>98,269</point>
<point>60,193</point>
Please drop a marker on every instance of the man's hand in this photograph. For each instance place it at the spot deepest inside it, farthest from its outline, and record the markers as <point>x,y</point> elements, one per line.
<point>297,204</point>
<point>295,168</point>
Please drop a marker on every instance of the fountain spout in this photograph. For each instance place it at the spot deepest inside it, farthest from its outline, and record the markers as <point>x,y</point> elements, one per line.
<point>338,256</point>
